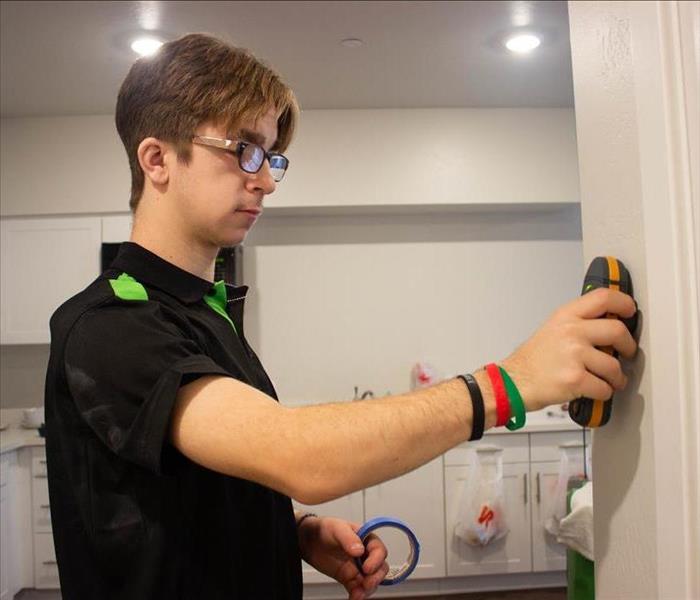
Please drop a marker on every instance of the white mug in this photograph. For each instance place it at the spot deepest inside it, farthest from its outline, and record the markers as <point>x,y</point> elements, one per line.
<point>33,417</point>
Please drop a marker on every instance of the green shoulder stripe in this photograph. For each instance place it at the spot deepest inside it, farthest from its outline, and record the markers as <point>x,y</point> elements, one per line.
<point>216,299</point>
<point>127,288</point>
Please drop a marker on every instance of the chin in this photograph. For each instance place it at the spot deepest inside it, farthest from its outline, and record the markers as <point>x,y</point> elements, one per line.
<point>232,239</point>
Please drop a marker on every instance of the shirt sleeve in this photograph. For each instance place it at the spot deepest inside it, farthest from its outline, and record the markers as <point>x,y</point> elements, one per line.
<point>124,366</point>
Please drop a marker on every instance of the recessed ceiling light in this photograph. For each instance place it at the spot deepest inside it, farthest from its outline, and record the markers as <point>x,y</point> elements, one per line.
<point>352,43</point>
<point>146,46</point>
<point>522,43</point>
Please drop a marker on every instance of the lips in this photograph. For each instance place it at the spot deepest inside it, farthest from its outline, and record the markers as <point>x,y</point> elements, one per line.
<point>252,211</point>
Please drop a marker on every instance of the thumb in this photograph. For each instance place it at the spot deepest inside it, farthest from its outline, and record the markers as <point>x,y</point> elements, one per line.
<point>348,540</point>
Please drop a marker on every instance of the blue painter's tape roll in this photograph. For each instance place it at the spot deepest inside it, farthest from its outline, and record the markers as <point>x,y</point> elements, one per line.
<point>399,574</point>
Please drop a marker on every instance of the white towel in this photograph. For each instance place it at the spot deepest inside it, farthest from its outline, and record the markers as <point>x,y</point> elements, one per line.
<point>576,528</point>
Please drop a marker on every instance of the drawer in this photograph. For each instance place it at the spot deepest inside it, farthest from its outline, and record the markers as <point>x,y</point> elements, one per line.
<point>514,446</point>
<point>39,466</point>
<point>41,513</point>
<point>546,447</point>
<point>45,567</point>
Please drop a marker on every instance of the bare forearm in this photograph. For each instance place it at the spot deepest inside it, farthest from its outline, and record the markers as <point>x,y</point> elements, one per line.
<point>350,446</point>
<point>317,453</point>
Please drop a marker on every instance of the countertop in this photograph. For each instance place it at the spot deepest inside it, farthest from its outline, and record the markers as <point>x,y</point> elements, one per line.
<point>15,437</point>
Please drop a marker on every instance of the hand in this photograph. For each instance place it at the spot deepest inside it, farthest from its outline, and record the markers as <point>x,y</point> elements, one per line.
<point>331,545</point>
<point>561,363</point>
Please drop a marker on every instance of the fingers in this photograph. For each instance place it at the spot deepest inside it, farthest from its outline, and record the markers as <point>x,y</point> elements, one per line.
<point>371,582</point>
<point>348,572</point>
<point>610,332</point>
<point>599,302</point>
<point>607,368</point>
<point>348,540</point>
<point>355,589</point>
<point>376,554</point>
<point>594,388</point>
<point>357,594</point>
<point>375,567</point>
<point>362,587</point>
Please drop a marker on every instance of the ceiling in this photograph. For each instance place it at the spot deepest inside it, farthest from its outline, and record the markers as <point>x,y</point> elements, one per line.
<point>69,58</point>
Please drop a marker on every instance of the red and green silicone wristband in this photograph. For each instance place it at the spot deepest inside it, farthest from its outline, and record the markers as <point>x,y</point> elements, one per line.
<point>510,408</point>
<point>499,390</point>
<point>517,406</point>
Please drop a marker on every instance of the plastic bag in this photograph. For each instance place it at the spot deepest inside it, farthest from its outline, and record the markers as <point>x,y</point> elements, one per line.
<point>570,465</point>
<point>423,375</point>
<point>576,528</point>
<point>481,517</point>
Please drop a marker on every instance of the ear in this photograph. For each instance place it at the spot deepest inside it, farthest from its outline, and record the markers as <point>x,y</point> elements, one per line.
<point>152,154</point>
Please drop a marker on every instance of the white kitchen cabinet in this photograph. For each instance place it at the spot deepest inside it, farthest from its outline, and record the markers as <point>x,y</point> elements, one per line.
<point>510,554</point>
<point>547,553</point>
<point>548,446</point>
<point>45,566</point>
<point>348,507</point>
<point>15,531</point>
<point>6,590</point>
<point>41,511</point>
<point>416,498</point>
<point>546,449</point>
<point>44,261</point>
<point>514,447</point>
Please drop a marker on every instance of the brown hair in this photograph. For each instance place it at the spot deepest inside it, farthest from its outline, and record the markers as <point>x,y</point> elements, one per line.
<point>192,80</point>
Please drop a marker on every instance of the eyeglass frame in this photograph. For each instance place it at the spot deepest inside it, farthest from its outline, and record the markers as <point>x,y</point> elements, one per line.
<point>225,144</point>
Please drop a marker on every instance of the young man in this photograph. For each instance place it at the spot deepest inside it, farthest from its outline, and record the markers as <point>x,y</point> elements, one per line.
<point>171,464</point>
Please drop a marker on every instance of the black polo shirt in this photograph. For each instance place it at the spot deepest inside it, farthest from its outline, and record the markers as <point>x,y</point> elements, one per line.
<point>132,517</point>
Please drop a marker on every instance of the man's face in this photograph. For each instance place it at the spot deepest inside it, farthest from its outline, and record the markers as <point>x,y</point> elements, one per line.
<point>214,194</point>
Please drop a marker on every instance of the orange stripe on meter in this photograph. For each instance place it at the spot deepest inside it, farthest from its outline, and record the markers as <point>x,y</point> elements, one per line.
<point>613,284</point>
<point>613,273</point>
<point>596,414</point>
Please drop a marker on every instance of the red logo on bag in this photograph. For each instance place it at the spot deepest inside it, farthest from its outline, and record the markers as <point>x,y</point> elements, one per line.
<point>486,515</point>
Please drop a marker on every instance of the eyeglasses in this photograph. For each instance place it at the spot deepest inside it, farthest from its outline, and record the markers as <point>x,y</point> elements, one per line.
<point>250,155</point>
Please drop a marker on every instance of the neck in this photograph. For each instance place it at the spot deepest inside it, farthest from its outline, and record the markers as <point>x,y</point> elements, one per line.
<point>171,240</point>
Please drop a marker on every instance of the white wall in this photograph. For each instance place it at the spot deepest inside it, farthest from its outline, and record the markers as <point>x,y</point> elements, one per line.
<point>22,375</point>
<point>635,73</point>
<point>344,301</point>
<point>64,165</point>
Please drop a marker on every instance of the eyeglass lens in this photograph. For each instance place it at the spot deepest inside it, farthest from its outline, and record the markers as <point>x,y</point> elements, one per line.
<point>252,157</point>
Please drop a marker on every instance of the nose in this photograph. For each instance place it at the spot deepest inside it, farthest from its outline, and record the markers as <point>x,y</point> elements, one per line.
<point>262,180</point>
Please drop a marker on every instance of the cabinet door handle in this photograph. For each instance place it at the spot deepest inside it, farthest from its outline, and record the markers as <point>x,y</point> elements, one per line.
<point>488,448</point>
<point>49,562</point>
<point>525,488</point>
<point>40,476</point>
<point>539,496</point>
<point>43,461</point>
<point>44,506</point>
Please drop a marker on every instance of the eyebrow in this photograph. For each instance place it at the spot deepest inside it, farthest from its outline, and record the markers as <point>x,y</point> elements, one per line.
<point>253,136</point>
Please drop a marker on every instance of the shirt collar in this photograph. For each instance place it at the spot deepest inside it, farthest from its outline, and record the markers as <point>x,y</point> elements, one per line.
<point>149,268</point>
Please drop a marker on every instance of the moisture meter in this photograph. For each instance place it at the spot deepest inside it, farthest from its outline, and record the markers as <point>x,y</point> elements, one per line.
<point>608,272</point>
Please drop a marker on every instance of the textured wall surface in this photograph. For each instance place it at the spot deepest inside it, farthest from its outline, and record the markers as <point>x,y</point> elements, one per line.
<point>635,78</point>
<point>624,498</point>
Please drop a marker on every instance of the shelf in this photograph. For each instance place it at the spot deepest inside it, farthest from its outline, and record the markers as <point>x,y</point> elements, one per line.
<point>418,209</point>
